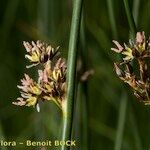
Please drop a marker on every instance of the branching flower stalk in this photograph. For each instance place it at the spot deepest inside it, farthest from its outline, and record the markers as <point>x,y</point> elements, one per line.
<point>137,51</point>
<point>51,84</point>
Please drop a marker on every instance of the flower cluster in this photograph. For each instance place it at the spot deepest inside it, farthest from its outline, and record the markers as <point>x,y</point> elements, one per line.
<point>51,84</point>
<point>39,52</point>
<point>133,69</point>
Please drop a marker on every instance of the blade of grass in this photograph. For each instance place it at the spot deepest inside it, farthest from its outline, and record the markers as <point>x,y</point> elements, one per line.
<point>112,18</point>
<point>130,18</point>
<point>121,122</point>
<point>72,53</point>
<point>42,13</point>
<point>99,34</point>
<point>81,113</point>
<point>136,6</point>
<point>79,127</point>
<point>102,129</point>
<point>84,92</point>
<point>9,17</point>
<point>135,131</point>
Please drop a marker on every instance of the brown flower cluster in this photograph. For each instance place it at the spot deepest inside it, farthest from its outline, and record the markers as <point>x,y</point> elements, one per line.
<point>51,84</point>
<point>133,69</point>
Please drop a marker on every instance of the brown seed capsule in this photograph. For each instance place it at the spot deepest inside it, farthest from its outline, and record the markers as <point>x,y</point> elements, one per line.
<point>129,68</point>
<point>135,53</point>
<point>119,72</point>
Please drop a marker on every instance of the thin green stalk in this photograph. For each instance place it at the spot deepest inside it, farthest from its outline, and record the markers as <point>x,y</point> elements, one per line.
<point>84,92</point>
<point>112,18</point>
<point>137,138</point>
<point>42,20</point>
<point>9,17</point>
<point>102,129</point>
<point>121,122</point>
<point>79,118</point>
<point>136,6</point>
<point>72,53</point>
<point>130,18</point>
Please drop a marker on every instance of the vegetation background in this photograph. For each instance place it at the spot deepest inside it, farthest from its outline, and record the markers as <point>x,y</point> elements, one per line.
<point>116,120</point>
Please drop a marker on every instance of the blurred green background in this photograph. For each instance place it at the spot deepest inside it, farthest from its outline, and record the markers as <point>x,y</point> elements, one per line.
<point>115,119</point>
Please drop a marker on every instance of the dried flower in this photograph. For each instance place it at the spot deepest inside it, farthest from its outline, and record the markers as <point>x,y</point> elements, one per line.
<point>39,52</point>
<point>138,50</point>
<point>30,92</point>
<point>53,81</point>
<point>119,48</point>
<point>51,85</point>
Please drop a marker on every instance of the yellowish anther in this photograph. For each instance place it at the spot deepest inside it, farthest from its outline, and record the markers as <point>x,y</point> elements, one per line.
<point>127,53</point>
<point>55,75</point>
<point>31,101</point>
<point>33,58</point>
<point>35,90</point>
<point>141,47</point>
<point>49,87</point>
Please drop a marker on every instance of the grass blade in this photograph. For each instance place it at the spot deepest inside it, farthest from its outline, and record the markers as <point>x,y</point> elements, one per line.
<point>136,6</point>
<point>9,17</point>
<point>112,18</point>
<point>135,131</point>
<point>121,122</point>
<point>68,109</point>
<point>130,18</point>
<point>83,86</point>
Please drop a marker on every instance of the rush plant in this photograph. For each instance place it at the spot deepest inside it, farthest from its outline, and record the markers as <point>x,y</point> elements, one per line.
<point>135,53</point>
<point>51,83</point>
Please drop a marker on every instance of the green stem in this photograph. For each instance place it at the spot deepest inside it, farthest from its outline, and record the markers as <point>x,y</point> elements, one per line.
<point>135,131</point>
<point>130,18</point>
<point>121,122</point>
<point>83,86</point>
<point>42,14</point>
<point>72,53</point>
<point>112,18</point>
<point>136,6</point>
<point>9,18</point>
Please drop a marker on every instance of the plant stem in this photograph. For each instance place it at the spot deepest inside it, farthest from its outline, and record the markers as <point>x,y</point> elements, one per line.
<point>42,13</point>
<point>134,128</point>
<point>83,86</point>
<point>121,122</point>
<point>112,18</point>
<point>136,5</point>
<point>130,18</point>
<point>9,18</point>
<point>72,53</point>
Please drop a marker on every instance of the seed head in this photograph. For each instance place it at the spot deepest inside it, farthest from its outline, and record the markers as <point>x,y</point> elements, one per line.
<point>51,83</point>
<point>139,51</point>
<point>39,52</point>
